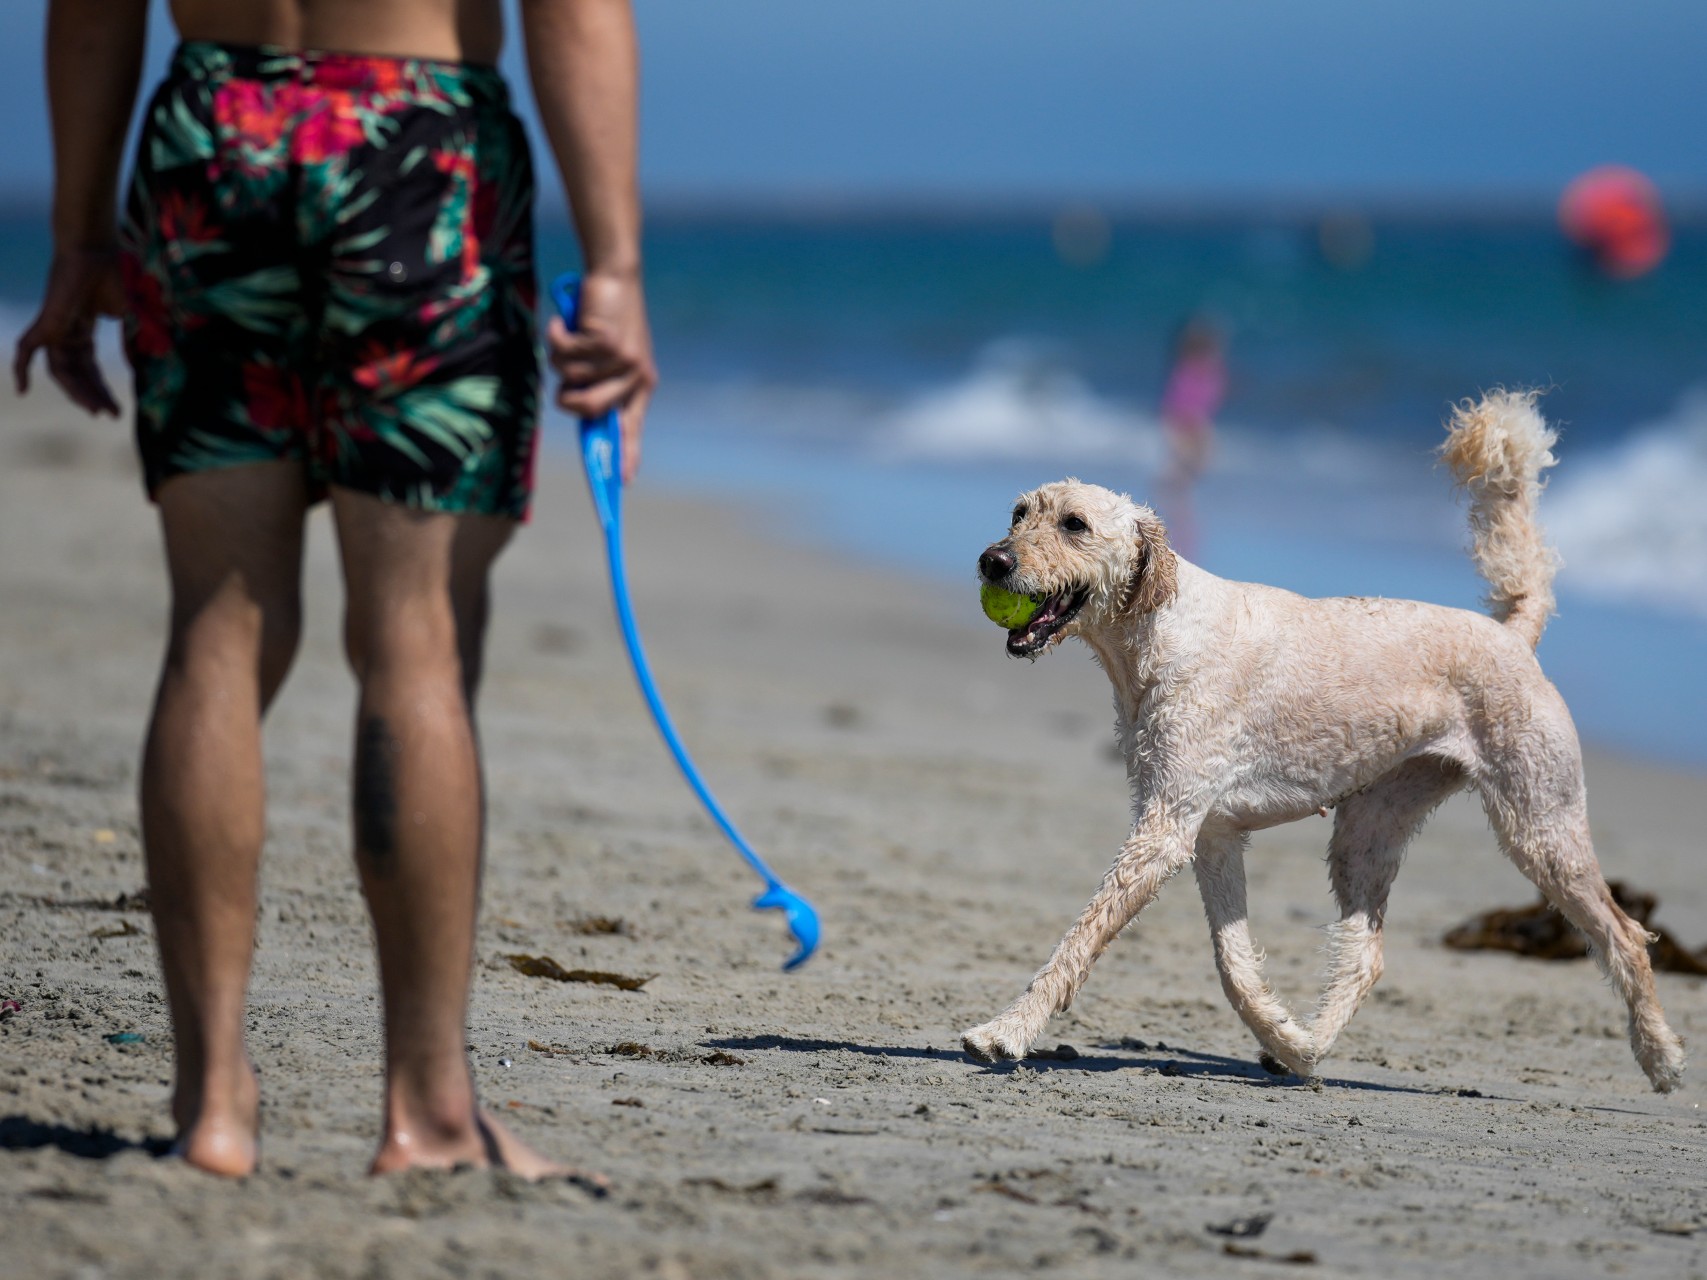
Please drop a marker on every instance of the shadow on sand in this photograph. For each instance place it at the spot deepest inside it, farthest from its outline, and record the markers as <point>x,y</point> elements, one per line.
<point>1160,1059</point>
<point>20,1133</point>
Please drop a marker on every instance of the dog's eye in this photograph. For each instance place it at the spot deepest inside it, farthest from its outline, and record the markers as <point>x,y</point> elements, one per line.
<point>1019,513</point>
<point>1072,524</point>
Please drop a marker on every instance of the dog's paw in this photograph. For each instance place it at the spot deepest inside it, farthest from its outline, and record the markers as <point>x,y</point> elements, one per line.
<point>1664,1066</point>
<point>994,1042</point>
<point>1293,1063</point>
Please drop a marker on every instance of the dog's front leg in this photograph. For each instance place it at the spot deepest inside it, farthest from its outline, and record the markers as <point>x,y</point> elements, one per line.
<point>1157,848</point>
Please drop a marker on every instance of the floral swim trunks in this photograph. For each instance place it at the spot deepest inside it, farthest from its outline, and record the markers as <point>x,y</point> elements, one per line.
<point>329,258</point>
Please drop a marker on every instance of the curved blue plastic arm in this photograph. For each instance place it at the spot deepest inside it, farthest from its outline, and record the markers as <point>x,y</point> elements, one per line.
<point>601,454</point>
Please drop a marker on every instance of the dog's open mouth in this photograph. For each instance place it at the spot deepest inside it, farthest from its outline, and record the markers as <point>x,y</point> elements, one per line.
<point>1054,613</point>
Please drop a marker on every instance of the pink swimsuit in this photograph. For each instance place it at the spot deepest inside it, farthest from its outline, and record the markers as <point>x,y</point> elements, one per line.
<point>1195,390</point>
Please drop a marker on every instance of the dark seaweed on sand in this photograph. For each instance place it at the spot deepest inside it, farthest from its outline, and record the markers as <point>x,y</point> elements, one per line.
<point>1542,933</point>
<point>546,967</point>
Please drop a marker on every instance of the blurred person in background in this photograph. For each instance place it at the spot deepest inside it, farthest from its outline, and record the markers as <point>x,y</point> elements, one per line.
<point>1196,386</point>
<point>325,270</point>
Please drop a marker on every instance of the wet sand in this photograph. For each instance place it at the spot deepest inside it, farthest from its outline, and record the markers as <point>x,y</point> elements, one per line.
<point>948,810</point>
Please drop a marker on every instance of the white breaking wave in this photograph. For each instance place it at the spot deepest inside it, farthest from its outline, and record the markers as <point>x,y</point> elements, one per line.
<point>1018,402</point>
<point>1631,521</point>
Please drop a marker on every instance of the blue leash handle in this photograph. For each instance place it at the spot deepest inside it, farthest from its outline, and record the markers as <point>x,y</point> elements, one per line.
<point>601,454</point>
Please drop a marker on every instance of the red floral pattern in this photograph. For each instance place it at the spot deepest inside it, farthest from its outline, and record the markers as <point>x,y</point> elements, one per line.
<point>386,370</point>
<point>149,331</point>
<point>185,220</point>
<point>276,398</point>
<point>328,128</point>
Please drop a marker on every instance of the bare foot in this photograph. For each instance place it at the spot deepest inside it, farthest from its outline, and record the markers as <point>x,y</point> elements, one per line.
<point>228,1150</point>
<point>506,1151</point>
<point>220,1134</point>
<point>484,1143</point>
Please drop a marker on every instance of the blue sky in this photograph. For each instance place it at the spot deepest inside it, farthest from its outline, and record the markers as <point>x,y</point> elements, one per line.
<point>1122,99</point>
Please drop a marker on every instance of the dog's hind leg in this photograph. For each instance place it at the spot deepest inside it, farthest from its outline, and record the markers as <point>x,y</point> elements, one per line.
<point>1220,867</point>
<point>1542,823</point>
<point>1156,850</point>
<point>1371,830</point>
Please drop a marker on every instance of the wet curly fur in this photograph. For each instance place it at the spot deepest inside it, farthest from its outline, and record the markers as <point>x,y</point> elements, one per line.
<point>1242,706</point>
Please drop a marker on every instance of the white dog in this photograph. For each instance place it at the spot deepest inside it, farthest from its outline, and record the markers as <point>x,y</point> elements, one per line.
<point>1242,706</point>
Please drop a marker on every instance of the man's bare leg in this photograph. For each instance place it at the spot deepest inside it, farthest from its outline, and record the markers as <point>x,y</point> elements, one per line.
<point>234,552</point>
<point>416,607</point>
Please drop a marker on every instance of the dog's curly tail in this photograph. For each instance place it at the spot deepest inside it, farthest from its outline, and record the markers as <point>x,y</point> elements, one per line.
<point>1497,450</point>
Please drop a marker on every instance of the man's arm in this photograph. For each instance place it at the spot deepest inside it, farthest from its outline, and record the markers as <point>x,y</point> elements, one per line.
<point>94,59</point>
<point>584,64</point>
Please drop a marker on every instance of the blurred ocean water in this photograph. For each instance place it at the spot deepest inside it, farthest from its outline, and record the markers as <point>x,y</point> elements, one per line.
<point>884,385</point>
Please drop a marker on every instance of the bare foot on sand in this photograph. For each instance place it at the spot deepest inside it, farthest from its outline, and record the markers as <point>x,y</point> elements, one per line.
<point>484,1143</point>
<point>218,1131</point>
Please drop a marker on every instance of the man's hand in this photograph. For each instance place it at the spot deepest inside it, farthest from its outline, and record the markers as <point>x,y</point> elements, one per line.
<point>607,362</point>
<point>82,286</point>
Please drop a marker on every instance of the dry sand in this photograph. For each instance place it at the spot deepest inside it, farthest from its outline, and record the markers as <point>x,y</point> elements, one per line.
<point>948,810</point>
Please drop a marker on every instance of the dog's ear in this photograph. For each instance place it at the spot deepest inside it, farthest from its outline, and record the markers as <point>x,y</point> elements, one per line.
<point>1155,580</point>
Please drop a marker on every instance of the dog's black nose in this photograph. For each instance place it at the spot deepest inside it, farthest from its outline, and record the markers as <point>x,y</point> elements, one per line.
<point>996,563</point>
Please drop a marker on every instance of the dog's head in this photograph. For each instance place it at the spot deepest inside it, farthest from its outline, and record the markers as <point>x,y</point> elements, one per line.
<point>1096,557</point>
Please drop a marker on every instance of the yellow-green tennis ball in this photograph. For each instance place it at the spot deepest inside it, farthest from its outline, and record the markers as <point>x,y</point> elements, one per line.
<point>1006,608</point>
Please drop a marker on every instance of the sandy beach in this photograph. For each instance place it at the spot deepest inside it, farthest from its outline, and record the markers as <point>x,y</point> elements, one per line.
<point>947,809</point>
